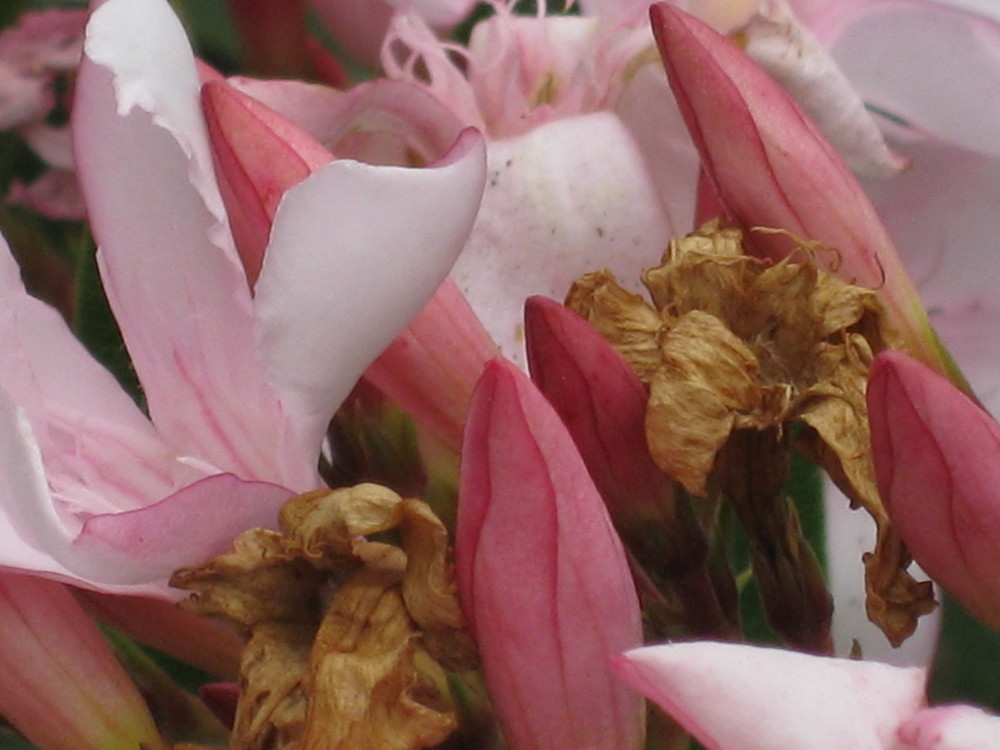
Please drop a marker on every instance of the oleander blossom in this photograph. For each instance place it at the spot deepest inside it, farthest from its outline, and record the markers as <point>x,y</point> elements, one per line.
<point>589,164</point>
<point>240,383</point>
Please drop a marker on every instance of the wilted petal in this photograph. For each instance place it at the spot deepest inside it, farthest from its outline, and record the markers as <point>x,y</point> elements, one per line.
<point>737,697</point>
<point>60,685</point>
<point>542,576</point>
<point>171,272</point>
<point>951,728</point>
<point>386,236</point>
<point>936,462</point>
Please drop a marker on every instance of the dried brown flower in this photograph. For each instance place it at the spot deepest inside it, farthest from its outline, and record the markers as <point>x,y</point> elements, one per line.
<point>349,638</point>
<point>733,343</point>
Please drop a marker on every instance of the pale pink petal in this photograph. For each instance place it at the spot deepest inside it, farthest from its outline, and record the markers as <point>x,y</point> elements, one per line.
<point>98,446</point>
<point>133,551</point>
<point>167,259</point>
<point>923,63</point>
<point>952,728</point>
<point>356,251</point>
<point>942,215</point>
<point>791,55</point>
<point>561,200</point>
<point>738,697</point>
<point>147,545</point>
<point>60,685</point>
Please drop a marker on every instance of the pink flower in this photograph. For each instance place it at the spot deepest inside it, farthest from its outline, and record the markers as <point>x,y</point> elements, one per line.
<point>542,576</point>
<point>40,50</point>
<point>588,163</point>
<point>240,383</point>
<point>360,27</point>
<point>737,697</point>
<point>936,461</point>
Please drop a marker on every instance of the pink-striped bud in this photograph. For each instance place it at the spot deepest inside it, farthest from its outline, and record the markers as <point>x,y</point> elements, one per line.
<point>937,461</point>
<point>60,685</point>
<point>771,167</point>
<point>259,155</point>
<point>542,575</point>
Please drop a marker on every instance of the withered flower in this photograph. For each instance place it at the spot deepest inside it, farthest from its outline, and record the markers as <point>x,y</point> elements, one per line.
<point>745,359</point>
<point>350,639</point>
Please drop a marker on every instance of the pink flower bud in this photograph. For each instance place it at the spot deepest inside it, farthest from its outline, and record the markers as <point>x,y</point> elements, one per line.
<point>937,461</point>
<point>60,685</point>
<point>258,156</point>
<point>601,401</point>
<point>542,575</point>
<point>771,167</point>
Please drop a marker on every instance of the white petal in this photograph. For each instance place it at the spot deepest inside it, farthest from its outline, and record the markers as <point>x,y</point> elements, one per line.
<point>566,198</point>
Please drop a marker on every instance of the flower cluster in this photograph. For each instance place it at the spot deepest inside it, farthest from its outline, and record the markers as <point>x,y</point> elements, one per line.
<point>468,391</point>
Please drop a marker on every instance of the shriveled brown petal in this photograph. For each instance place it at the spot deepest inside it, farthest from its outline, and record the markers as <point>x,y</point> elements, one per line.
<point>429,589</point>
<point>833,409</point>
<point>367,686</point>
<point>624,319</point>
<point>272,707</point>
<point>706,378</point>
<point>255,582</point>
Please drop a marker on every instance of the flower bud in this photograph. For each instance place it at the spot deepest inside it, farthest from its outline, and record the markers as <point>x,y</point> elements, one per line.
<point>937,462</point>
<point>60,685</point>
<point>542,575</point>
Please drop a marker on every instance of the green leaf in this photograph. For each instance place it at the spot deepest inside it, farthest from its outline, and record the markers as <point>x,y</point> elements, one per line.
<point>965,666</point>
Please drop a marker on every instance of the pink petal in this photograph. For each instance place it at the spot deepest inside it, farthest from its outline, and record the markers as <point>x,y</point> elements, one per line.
<point>195,640</point>
<point>169,266</point>
<point>738,697</point>
<point>431,368</point>
<point>542,575</point>
<point>356,251</point>
<point>951,728</point>
<point>60,685</point>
